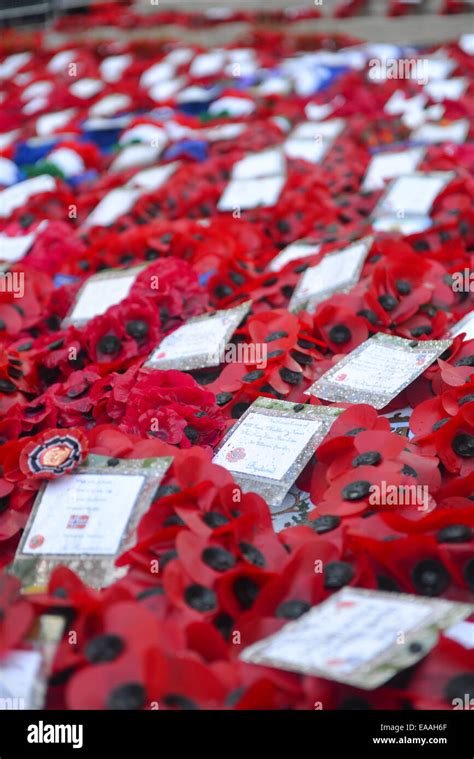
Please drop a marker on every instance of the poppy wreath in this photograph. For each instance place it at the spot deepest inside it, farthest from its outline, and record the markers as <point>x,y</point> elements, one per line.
<point>228,575</point>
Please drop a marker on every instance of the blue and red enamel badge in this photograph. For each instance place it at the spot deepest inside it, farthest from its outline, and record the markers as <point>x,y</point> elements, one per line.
<point>53,453</point>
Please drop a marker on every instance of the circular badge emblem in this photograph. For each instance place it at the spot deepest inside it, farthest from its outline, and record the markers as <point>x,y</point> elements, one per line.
<point>55,455</point>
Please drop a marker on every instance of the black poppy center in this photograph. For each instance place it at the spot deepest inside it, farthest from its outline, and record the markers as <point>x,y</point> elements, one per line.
<point>252,554</point>
<point>463,445</point>
<point>430,577</point>
<point>325,523</point>
<point>403,286</point>
<point>215,519</point>
<point>337,574</point>
<point>137,329</point>
<point>369,458</point>
<point>292,609</point>
<point>455,533</point>
<point>388,302</point>
<point>246,591</point>
<point>103,648</point>
<point>200,598</point>
<point>109,344</point>
<point>127,697</point>
<point>340,334</point>
<point>356,491</point>
<point>218,558</point>
<point>178,701</point>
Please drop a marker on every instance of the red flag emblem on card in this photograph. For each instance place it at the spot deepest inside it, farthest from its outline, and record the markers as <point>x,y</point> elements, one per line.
<point>36,541</point>
<point>77,521</point>
<point>236,454</point>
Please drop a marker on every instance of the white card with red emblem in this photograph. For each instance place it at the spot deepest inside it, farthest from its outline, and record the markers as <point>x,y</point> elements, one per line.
<point>266,445</point>
<point>86,519</point>
<point>377,370</point>
<point>358,637</point>
<point>271,444</point>
<point>83,514</point>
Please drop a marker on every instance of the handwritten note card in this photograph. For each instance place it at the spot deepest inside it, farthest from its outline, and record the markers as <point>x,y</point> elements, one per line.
<point>200,342</point>
<point>355,636</point>
<point>335,272</point>
<point>266,445</point>
<point>377,370</point>
<point>83,514</point>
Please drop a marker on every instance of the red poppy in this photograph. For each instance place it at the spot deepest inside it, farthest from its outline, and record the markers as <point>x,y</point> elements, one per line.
<point>17,614</point>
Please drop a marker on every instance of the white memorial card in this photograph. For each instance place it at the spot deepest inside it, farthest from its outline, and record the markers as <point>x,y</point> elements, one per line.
<point>18,194</point>
<point>271,444</point>
<point>413,194</point>
<point>338,271</point>
<point>13,249</point>
<point>112,206</point>
<point>432,134</point>
<point>86,519</point>
<point>447,89</point>
<point>384,166</point>
<point>410,226</point>
<point>86,88</point>
<point>83,514</point>
<point>199,343</point>
<point>251,193</point>
<point>311,140</point>
<point>152,179</point>
<point>132,156</point>
<point>466,324</point>
<point>377,370</point>
<point>462,633</point>
<point>358,637</point>
<point>267,163</point>
<point>99,293</point>
<point>293,252</point>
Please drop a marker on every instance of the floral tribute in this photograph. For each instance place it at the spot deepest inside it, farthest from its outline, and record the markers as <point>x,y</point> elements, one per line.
<point>85,120</point>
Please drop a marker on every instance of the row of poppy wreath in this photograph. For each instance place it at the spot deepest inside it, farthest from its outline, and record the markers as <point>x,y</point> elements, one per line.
<point>106,14</point>
<point>168,637</point>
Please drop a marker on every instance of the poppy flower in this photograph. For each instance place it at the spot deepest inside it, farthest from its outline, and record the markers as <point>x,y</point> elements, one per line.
<point>454,442</point>
<point>172,407</point>
<point>340,328</point>
<point>17,614</point>
<point>151,680</point>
